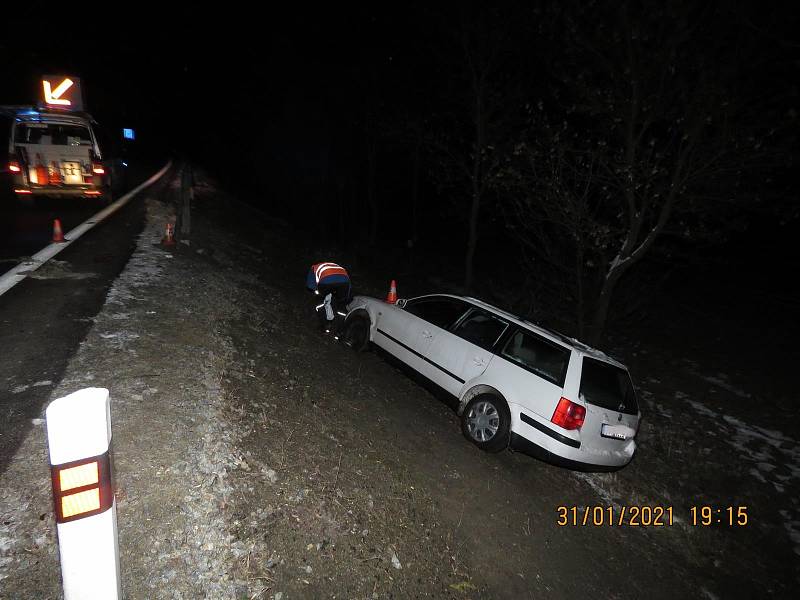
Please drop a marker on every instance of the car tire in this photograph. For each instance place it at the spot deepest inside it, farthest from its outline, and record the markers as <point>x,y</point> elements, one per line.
<point>486,422</point>
<point>356,333</point>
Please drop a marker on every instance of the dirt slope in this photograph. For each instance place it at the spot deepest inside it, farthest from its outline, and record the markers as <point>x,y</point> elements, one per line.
<point>257,459</point>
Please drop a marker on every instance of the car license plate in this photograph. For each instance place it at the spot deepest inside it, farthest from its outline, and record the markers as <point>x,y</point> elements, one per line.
<point>71,172</point>
<point>615,432</point>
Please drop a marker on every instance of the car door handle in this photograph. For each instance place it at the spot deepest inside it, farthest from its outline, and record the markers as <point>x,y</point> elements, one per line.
<point>479,361</point>
<point>427,334</point>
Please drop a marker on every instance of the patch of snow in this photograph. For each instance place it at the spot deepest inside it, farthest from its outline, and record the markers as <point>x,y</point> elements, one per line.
<point>42,383</point>
<point>19,389</point>
<point>596,481</point>
<point>792,527</point>
<point>664,412</point>
<point>119,339</point>
<point>721,382</point>
<point>774,438</point>
<point>58,269</point>
<point>703,409</point>
<point>708,594</point>
<point>765,447</point>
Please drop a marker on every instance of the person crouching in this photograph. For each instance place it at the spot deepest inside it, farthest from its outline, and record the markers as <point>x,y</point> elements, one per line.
<point>332,283</point>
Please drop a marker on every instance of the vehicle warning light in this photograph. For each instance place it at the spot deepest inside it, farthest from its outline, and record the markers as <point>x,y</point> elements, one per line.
<point>60,91</point>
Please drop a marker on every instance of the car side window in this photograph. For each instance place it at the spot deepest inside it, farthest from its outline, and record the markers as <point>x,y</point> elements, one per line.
<point>442,312</point>
<point>538,355</point>
<point>482,328</point>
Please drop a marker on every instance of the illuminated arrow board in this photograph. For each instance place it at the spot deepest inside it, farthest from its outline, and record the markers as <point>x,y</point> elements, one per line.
<point>61,91</point>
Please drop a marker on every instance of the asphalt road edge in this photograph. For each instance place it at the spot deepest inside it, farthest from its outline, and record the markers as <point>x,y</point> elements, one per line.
<point>17,274</point>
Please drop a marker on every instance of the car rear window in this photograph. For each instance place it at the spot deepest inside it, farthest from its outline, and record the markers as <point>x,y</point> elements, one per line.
<point>52,134</point>
<point>542,357</point>
<point>607,386</point>
<point>442,312</point>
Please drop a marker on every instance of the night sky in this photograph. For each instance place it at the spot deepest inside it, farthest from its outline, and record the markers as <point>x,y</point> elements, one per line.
<point>346,121</point>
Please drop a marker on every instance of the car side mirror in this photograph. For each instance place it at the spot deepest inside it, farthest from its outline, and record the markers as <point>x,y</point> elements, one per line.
<point>400,303</point>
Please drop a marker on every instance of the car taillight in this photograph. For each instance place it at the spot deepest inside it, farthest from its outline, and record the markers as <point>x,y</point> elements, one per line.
<point>13,166</point>
<point>98,169</point>
<point>568,414</point>
<point>42,175</point>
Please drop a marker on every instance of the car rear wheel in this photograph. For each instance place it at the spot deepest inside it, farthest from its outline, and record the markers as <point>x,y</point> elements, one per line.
<point>356,333</point>
<point>486,422</point>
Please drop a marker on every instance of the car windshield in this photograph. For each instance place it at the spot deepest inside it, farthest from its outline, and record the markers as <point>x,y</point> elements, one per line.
<point>52,134</point>
<point>607,386</point>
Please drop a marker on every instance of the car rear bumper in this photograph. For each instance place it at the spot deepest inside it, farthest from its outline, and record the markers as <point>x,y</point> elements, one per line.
<point>58,192</point>
<point>532,436</point>
<point>521,444</point>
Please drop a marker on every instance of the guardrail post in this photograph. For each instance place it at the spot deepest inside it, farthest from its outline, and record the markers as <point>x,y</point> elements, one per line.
<point>79,440</point>
<point>186,202</point>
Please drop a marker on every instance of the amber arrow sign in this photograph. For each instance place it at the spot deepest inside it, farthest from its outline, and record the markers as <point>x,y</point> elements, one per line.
<point>65,94</point>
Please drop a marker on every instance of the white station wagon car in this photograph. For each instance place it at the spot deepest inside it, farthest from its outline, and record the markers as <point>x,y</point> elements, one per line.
<point>516,383</point>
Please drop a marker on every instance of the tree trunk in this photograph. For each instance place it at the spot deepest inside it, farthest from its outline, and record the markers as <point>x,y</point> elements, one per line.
<point>472,240</point>
<point>342,202</point>
<point>477,185</point>
<point>602,305</point>
<point>415,188</point>
<point>371,199</point>
<point>579,291</point>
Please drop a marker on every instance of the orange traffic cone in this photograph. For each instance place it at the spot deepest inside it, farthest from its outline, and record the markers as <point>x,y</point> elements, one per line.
<point>169,235</point>
<point>58,235</point>
<point>391,297</point>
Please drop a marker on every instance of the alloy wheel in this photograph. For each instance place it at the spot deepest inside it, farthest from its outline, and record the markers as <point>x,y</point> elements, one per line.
<point>483,421</point>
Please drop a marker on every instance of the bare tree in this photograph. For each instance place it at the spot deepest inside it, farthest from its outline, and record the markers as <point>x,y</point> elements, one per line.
<point>474,120</point>
<point>646,130</point>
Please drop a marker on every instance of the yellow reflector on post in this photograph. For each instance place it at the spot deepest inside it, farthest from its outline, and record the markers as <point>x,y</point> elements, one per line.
<point>82,502</point>
<point>79,476</point>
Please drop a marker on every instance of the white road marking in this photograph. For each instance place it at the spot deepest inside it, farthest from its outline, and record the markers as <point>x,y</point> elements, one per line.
<point>12,277</point>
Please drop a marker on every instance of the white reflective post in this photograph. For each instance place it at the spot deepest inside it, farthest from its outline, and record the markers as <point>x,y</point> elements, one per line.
<point>79,439</point>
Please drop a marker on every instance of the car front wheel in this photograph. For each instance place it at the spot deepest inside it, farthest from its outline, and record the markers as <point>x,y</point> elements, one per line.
<point>486,422</point>
<point>356,333</point>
